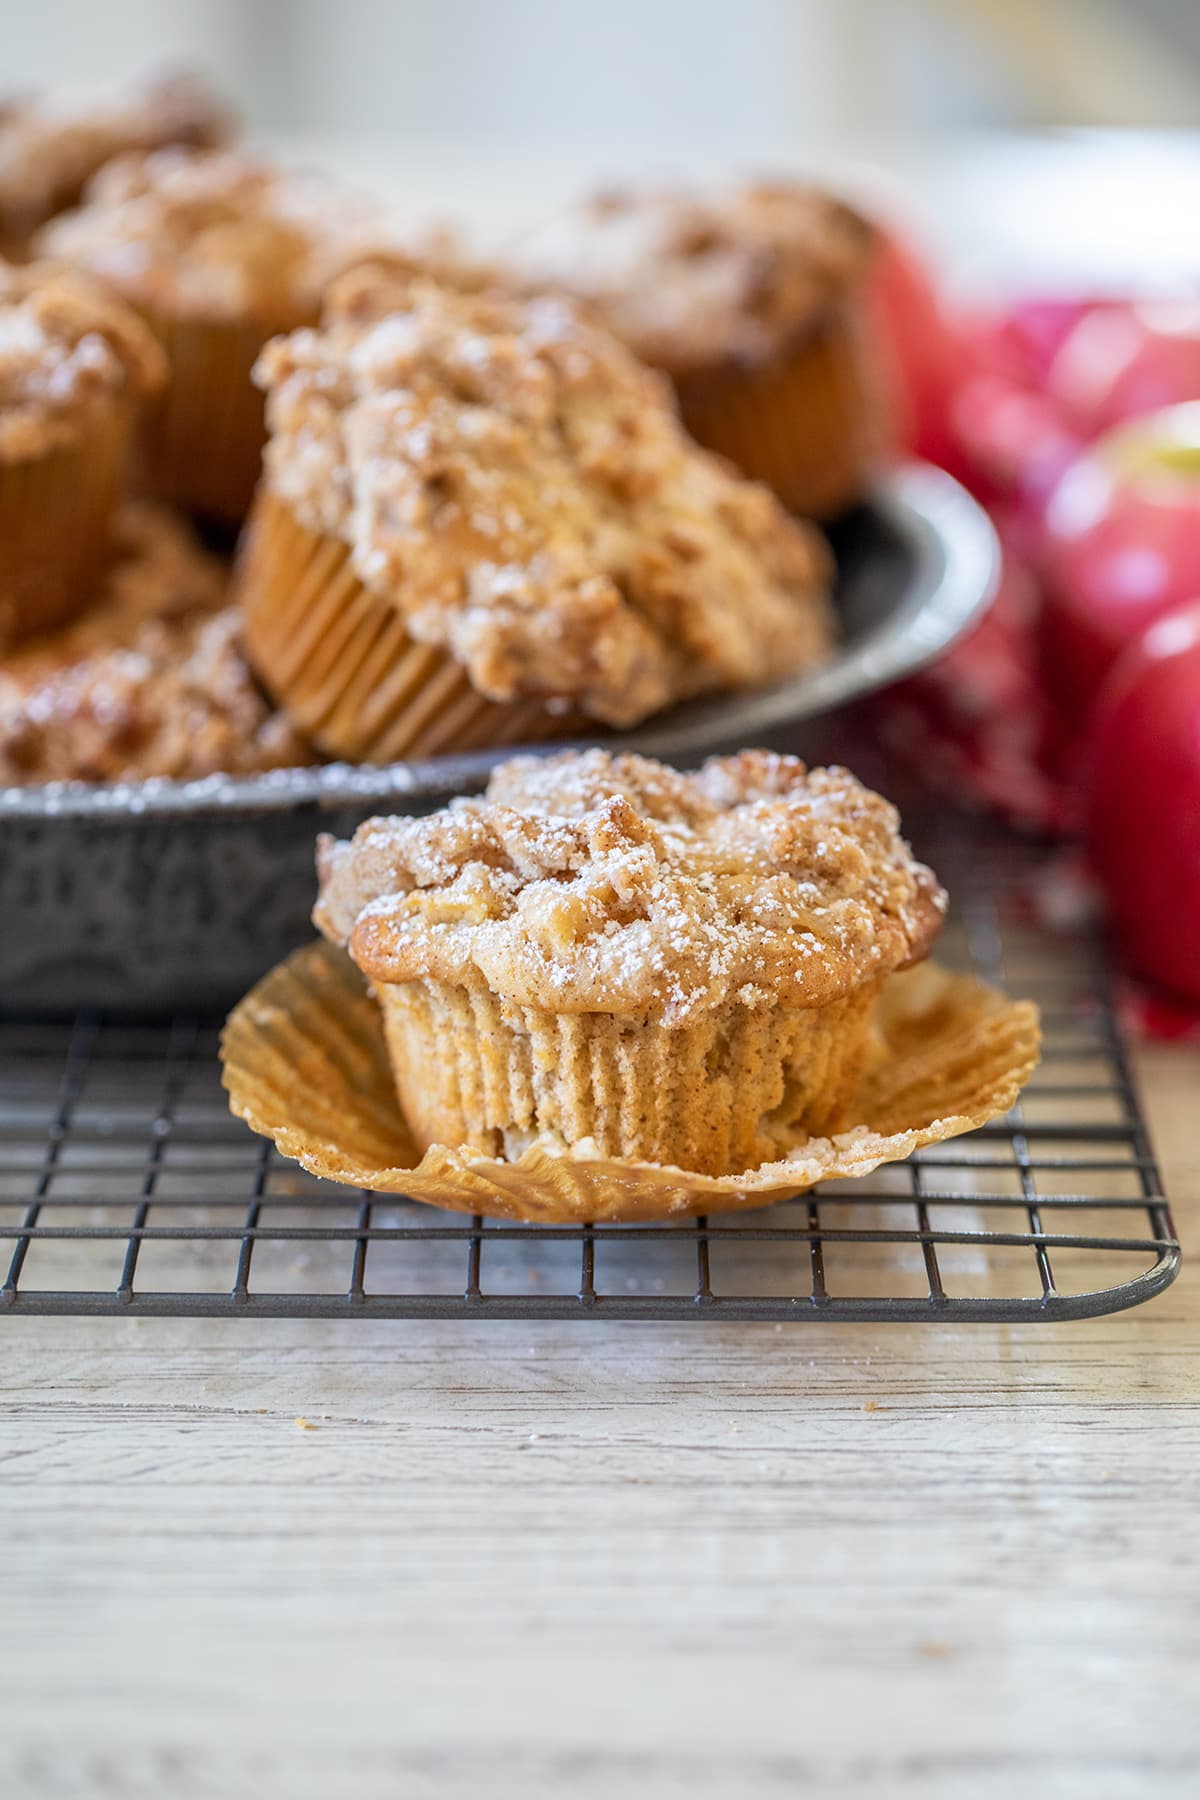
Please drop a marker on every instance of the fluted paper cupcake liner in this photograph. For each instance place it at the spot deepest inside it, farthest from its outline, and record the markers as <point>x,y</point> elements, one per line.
<point>203,439</point>
<point>56,514</point>
<point>306,1065</point>
<point>806,422</point>
<point>338,660</point>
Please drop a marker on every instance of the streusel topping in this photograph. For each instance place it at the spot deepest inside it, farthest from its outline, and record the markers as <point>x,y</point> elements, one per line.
<point>520,488</point>
<point>65,345</point>
<point>687,279</point>
<point>588,882</point>
<point>222,234</point>
<point>149,682</point>
<point>49,148</point>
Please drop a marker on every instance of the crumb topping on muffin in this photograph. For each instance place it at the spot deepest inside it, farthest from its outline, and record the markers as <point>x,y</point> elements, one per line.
<point>520,488</point>
<point>223,234</point>
<point>150,682</point>
<point>687,279</point>
<point>591,882</point>
<point>65,344</point>
<point>49,148</point>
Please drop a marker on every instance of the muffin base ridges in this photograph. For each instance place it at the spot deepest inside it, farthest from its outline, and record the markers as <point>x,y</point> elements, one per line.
<point>719,1095</point>
<point>806,421</point>
<point>56,514</point>
<point>203,438</point>
<point>338,660</point>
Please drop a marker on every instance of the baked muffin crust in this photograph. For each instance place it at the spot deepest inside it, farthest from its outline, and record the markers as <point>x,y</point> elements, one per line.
<point>688,279</point>
<point>590,882</point>
<point>49,148</point>
<point>150,682</point>
<point>225,235</point>
<point>518,485</point>
<point>65,347</point>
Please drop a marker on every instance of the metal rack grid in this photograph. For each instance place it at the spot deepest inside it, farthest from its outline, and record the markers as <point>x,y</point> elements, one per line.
<point>127,1188</point>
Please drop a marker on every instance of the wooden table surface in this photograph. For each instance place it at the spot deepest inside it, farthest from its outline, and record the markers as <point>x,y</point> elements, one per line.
<point>582,1558</point>
<point>506,1559</point>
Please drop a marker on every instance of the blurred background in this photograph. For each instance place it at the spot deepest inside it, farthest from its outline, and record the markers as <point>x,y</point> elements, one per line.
<point>653,75</point>
<point>494,109</point>
<point>1034,299</point>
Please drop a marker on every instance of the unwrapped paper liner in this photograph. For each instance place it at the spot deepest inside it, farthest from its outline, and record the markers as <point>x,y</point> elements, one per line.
<point>305,1064</point>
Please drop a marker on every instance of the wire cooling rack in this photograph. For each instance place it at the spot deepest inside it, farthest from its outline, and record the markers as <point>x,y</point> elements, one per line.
<point>127,1188</point>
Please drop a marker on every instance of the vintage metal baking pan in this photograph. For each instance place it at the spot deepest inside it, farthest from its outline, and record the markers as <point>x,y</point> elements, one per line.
<point>166,894</point>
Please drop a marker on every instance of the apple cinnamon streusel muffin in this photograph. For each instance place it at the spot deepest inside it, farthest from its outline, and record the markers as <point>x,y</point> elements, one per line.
<point>75,366</point>
<point>149,682</point>
<point>50,147</point>
<point>604,954</point>
<point>218,250</point>
<point>750,302</point>
<point>480,520</point>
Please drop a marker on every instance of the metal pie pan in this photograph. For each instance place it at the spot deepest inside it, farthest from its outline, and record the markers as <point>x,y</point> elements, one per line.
<point>163,893</point>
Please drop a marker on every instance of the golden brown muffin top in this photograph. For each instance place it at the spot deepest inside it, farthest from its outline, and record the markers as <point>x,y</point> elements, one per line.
<point>519,487</point>
<point>65,346</point>
<point>590,882</point>
<point>50,148</point>
<point>688,279</point>
<point>226,235</point>
<point>149,682</point>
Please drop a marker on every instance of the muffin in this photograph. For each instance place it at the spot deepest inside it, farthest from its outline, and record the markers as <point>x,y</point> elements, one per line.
<point>606,957</point>
<point>50,148</point>
<point>149,682</point>
<point>751,303</point>
<point>480,523</point>
<point>75,366</point>
<point>218,251</point>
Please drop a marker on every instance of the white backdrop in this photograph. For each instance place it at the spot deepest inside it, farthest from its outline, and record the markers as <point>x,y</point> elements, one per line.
<point>644,75</point>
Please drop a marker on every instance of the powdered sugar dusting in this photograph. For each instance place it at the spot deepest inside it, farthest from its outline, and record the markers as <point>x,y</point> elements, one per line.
<point>520,488</point>
<point>150,682</point>
<point>686,278</point>
<point>593,882</point>
<point>65,344</point>
<point>226,234</point>
<point>49,146</point>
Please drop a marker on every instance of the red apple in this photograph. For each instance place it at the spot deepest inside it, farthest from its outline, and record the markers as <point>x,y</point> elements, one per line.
<point>920,346</point>
<point>1015,439</point>
<point>1143,800</point>
<point>1122,361</point>
<point>1036,328</point>
<point>1121,547</point>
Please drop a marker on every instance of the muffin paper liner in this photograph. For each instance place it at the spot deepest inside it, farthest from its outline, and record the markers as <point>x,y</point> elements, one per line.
<point>306,1064</point>
<point>806,422</point>
<point>339,661</point>
<point>203,439</point>
<point>56,513</point>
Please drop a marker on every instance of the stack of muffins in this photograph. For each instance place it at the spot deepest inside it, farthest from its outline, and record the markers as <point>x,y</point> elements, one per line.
<point>470,510</point>
<point>474,508</point>
<point>131,432</point>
